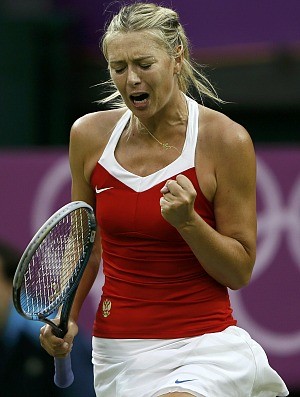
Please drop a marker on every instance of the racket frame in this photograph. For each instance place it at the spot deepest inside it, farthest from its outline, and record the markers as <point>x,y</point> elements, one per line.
<point>65,300</point>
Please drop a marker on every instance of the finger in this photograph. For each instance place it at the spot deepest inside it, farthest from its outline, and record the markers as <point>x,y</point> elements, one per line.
<point>48,338</point>
<point>164,205</point>
<point>52,341</point>
<point>166,189</point>
<point>184,182</point>
<point>64,350</point>
<point>42,330</point>
<point>173,188</point>
<point>46,333</point>
<point>69,338</point>
<point>57,347</point>
<point>167,198</point>
<point>163,202</point>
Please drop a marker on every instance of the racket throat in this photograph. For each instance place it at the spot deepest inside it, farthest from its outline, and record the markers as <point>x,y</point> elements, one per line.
<point>56,329</point>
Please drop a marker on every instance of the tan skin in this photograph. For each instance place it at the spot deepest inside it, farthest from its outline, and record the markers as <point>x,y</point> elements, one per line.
<point>225,167</point>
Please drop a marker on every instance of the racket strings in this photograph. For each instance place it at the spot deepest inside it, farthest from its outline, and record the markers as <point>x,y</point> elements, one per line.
<point>55,264</point>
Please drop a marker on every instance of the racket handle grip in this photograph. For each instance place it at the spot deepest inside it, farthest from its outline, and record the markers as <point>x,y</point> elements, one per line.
<point>63,376</point>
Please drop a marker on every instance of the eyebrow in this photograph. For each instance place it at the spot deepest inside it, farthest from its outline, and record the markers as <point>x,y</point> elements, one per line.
<point>138,59</point>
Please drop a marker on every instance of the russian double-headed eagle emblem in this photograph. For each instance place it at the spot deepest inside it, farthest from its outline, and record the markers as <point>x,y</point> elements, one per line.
<point>106,307</point>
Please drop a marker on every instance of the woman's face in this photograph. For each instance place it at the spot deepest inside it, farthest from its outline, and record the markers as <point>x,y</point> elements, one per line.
<point>143,72</point>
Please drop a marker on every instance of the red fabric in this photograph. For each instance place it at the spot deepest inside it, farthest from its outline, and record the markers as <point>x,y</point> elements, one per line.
<point>154,285</point>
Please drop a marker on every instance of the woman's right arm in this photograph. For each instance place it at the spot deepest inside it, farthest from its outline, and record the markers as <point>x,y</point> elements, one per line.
<point>79,154</point>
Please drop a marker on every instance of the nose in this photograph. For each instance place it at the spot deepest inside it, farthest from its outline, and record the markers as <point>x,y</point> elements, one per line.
<point>133,77</point>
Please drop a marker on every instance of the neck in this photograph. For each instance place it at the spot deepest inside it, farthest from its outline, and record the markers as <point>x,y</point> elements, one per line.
<point>137,125</point>
<point>161,126</point>
<point>164,145</point>
<point>172,115</point>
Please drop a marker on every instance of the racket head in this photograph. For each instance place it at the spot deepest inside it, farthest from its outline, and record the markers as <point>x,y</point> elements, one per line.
<point>51,266</point>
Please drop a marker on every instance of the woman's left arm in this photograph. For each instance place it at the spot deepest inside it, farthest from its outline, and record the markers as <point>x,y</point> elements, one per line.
<point>227,253</point>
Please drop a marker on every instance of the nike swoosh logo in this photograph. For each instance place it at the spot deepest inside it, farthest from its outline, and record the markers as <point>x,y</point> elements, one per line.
<point>102,190</point>
<point>183,381</point>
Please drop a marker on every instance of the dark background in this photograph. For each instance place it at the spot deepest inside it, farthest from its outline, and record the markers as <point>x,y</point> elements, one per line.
<point>50,64</point>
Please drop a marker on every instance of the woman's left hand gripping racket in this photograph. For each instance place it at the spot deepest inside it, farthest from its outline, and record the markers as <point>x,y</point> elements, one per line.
<point>50,270</point>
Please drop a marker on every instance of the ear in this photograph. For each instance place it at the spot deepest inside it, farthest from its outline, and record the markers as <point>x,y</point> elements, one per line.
<point>178,59</point>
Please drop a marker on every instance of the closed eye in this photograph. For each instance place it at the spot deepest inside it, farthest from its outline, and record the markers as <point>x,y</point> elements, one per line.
<point>146,66</point>
<point>119,70</point>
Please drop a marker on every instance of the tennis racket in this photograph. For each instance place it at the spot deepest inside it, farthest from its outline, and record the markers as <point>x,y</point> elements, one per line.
<point>49,272</point>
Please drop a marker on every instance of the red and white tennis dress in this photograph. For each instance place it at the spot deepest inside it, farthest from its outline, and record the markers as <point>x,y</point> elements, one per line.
<point>155,289</point>
<point>154,285</point>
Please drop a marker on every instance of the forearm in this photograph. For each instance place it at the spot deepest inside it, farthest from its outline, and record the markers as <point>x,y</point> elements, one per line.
<point>224,258</point>
<point>85,285</point>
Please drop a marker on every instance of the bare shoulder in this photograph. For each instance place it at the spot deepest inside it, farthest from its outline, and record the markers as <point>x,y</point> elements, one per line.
<point>88,138</point>
<point>223,143</point>
<point>224,151</point>
<point>223,139</point>
<point>221,134</point>
<point>96,125</point>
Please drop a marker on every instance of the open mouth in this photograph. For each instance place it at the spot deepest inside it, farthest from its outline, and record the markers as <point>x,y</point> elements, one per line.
<point>139,99</point>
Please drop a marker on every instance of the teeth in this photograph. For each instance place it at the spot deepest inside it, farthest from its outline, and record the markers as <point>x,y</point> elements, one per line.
<point>140,98</point>
<point>139,101</point>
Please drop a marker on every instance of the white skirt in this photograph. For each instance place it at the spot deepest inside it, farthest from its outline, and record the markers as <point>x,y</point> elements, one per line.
<point>227,363</point>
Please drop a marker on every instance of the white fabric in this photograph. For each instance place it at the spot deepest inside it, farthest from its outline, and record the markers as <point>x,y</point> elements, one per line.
<point>142,183</point>
<point>222,364</point>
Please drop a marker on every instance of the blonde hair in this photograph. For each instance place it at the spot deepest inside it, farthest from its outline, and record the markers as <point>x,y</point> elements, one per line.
<point>162,23</point>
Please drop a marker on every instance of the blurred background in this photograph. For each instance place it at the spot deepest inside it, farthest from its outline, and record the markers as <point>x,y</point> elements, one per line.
<point>50,65</point>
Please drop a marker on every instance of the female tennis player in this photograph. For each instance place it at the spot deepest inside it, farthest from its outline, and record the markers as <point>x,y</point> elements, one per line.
<point>173,185</point>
